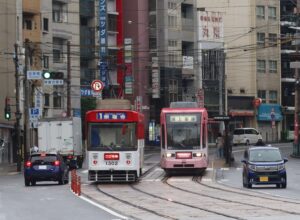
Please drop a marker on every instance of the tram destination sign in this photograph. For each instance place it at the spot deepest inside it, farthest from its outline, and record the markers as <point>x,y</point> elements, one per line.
<point>111,116</point>
<point>222,118</point>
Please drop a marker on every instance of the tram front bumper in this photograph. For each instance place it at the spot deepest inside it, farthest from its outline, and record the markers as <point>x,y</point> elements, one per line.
<point>172,163</point>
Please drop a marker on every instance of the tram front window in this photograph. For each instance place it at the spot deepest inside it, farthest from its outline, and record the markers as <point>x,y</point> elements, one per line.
<point>112,136</point>
<point>183,133</point>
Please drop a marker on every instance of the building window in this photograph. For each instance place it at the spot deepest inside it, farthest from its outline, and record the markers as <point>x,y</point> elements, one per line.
<point>173,60</point>
<point>272,13</point>
<point>260,39</point>
<point>172,21</point>
<point>59,15</point>
<point>57,100</point>
<point>27,24</point>
<point>260,12</point>
<point>46,100</point>
<point>272,66</point>
<point>45,24</point>
<point>273,40</point>
<point>58,50</point>
<point>172,5</point>
<point>261,66</point>
<point>262,94</point>
<point>46,62</point>
<point>173,90</point>
<point>272,96</point>
<point>152,43</point>
<point>172,43</point>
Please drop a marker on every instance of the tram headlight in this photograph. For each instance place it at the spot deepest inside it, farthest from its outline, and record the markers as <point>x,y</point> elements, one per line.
<point>169,155</point>
<point>198,154</point>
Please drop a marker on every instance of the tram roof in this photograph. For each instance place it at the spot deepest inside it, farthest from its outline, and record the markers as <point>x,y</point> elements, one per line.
<point>182,110</point>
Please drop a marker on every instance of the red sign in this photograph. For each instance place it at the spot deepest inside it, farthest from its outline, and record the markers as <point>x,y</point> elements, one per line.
<point>97,85</point>
<point>257,102</point>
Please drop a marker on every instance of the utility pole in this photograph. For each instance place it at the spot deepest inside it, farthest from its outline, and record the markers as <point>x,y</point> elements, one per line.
<point>26,101</point>
<point>296,66</point>
<point>18,113</point>
<point>68,79</point>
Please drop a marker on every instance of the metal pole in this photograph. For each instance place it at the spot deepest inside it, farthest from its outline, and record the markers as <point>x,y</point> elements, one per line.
<point>26,100</point>
<point>18,113</point>
<point>68,79</point>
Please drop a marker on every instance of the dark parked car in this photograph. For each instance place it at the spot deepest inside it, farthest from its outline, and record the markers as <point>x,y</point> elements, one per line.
<point>45,167</point>
<point>264,165</point>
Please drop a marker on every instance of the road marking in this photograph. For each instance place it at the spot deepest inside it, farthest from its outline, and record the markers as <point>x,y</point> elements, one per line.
<point>209,169</point>
<point>179,180</point>
<point>206,179</point>
<point>84,171</point>
<point>102,207</point>
<point>224,168</point>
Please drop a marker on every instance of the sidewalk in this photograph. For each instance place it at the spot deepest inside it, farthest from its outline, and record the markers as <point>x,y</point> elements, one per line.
<point>8,169</point>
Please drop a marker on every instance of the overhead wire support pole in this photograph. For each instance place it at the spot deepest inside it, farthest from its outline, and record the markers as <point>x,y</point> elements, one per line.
<point>26,101</point>
<point>17,113</point>
<point>68,79</point>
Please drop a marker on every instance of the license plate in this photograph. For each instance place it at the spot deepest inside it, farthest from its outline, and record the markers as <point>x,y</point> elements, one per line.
<point>263,179</point>
<point>42,167</point>
<point>111,163</point>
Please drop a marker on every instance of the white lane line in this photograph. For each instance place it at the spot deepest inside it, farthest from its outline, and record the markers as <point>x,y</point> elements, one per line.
<point>206,179</point>
<point>102,207</point>
<point>84,171</point>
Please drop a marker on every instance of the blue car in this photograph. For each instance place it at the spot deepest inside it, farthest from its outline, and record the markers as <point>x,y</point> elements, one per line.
<point>264,165</point>
<point>45,167</point>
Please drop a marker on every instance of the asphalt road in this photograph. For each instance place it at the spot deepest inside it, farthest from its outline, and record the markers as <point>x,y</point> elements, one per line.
<point>46,201</point>
<point>233,176</point>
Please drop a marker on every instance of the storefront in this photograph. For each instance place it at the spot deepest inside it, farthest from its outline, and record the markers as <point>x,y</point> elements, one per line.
<point>269,117</point>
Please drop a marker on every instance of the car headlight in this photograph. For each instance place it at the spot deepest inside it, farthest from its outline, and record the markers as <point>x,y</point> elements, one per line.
<point>252,167</point>
<point>280,166</point>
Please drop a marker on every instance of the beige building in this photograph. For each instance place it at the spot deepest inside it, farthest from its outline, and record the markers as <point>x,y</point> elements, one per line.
<point>10,25</point>
<point>251,43</point>
<point>48,26</point>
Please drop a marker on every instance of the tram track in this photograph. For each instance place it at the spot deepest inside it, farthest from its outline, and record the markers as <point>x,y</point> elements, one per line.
<point>224,188</point>
<point>197,180</point>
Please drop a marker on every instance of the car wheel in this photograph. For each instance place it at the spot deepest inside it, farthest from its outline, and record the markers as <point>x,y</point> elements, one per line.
<point>283,185</point>
<point>27,182</point>
<point>33,182</point>
<point>278,185</point>
<point>247,143</point>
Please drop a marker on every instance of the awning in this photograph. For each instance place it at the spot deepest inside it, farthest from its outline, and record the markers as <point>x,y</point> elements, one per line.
<point>241,113</point>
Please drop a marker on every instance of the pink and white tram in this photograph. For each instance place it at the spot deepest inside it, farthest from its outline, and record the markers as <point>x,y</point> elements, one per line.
<point>115,145</point>
<point>184,143</point>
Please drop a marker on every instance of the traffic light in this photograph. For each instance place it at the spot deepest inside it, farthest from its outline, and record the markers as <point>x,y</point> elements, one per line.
<point>7,111</point>
<point>52,74</point>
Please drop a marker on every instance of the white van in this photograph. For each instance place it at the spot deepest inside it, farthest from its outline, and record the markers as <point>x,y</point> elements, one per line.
<point>245,136</point>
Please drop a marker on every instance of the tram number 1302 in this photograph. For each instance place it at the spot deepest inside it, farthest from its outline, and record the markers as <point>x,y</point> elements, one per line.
<point>111,163</point>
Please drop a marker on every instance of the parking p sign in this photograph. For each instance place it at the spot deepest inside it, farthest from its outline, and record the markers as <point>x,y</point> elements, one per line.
<point>34,113</point>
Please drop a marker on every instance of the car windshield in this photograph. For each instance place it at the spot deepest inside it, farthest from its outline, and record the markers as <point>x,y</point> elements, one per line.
<point>265,155</point>
<point>112,136</point>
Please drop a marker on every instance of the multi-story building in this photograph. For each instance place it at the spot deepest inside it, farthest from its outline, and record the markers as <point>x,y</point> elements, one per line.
<point>251,42</point>
<point>187,59</point>
<point>10,29</point>
<point>288,50</point>
<point>116,36</point>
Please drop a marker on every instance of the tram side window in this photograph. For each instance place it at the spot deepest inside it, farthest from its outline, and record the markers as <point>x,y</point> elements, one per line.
<point>204,136</point>
<point>162,137</point>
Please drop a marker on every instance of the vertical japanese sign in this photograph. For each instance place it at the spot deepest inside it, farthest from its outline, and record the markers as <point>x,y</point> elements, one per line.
<point>103,41</point>
<point>155,79</point>
<point>128,63</point>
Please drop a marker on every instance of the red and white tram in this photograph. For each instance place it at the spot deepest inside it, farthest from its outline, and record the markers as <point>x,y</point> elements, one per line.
<point>184,143</point>
<point>115,145</point>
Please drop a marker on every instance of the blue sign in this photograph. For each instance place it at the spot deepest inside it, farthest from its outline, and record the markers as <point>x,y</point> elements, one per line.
<point>111,116</point>
<point>269,112</point>
<point>77,112</point>
<point>86,92</point>
<point>103,41</point>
